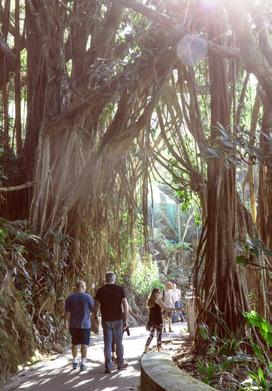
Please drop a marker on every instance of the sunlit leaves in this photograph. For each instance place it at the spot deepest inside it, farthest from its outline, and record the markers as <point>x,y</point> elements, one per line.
<point>264,327</point>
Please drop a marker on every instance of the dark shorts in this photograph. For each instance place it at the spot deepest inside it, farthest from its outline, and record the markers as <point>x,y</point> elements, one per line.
<point>80,336</point>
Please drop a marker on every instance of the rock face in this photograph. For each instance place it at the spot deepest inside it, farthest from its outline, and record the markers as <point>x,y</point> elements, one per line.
<point>16,336</point>
<point>158,373</point>
<point>58,348</point>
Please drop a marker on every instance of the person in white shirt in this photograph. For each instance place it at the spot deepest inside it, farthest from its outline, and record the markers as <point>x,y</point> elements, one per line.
<point>178,303</point>
<point>168,300</point>
<point>176,293</point>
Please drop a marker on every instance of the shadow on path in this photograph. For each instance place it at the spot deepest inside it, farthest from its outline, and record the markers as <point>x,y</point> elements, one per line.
<point>57,375</point>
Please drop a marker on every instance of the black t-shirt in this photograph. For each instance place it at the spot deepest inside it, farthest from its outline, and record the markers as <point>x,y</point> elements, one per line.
<point>110,298</point>
<point>155,315</point>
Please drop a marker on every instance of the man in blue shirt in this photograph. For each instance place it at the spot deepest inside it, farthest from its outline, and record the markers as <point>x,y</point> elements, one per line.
<point>78,307</point>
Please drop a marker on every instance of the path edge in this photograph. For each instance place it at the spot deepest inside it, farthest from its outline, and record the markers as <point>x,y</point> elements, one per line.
<point>159,373</point>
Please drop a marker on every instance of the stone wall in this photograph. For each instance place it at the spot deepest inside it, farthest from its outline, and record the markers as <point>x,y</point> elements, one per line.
<point>158,373</point>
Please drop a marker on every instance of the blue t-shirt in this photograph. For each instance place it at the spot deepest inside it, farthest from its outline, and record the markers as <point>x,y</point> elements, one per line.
<point>80,305</point>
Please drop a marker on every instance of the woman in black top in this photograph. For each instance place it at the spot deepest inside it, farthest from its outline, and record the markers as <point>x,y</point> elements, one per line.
<point>155,305</point>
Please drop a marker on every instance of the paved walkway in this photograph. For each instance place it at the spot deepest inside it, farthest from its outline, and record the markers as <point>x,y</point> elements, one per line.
<point>56,374</point>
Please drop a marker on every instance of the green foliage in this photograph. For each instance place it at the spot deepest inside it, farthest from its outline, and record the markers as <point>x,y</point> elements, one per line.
<point>237,147</point>
<point>264,327</point>
<point>16,333</point>
<point>248,357</point>
<point>253,247</point>
<point>185,197</point>
<point>23,59</point>
<point>198,217</point>
<point>207,370</point>
<point>260,379</point>
<point>189,200</point>
<point>253,252</point>
<point>172,248</point>
<point>260,376</point>
<point>256,381</point>
<point>225,347</point>
<point>145,277</point>
<point>32,276</point>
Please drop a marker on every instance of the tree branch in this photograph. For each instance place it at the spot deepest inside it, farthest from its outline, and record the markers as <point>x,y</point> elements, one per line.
<point>170,23</point>
<point>7,61</point>
<point>149,13</point>
<point>16,188</point>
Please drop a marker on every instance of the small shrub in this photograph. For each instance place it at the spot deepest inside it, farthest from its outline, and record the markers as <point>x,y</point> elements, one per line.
<point>207,370</point>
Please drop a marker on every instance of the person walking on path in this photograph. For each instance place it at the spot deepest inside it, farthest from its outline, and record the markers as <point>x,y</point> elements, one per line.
<point>125,329</point>
<point>168,300</point>
<point>78,307</point>
<point>178,303</point>
<point>155,321</point>
<point>112,299</point>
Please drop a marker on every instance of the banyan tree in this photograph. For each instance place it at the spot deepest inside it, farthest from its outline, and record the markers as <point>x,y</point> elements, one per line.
<point>97,87</point>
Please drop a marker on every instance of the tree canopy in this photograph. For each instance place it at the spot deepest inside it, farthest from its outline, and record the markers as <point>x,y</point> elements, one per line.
<point>95,94</point>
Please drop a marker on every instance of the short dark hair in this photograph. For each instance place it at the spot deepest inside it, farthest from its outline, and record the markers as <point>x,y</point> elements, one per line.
<point>109,277</point>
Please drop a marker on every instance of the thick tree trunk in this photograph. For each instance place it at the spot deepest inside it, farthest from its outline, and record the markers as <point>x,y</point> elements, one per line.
<point>223,289</point>
<point>264,211</point>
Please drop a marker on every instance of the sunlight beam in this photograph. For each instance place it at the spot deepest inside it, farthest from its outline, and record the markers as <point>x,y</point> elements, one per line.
<point>209,4</point>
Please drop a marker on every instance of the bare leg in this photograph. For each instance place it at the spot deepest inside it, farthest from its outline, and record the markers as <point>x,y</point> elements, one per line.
<point>83,351</point>
<point>164,320</point>
<point>74,351</point>
<point>170,324</point>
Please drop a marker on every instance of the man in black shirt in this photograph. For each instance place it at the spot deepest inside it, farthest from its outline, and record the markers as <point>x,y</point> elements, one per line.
<point>112,300</point>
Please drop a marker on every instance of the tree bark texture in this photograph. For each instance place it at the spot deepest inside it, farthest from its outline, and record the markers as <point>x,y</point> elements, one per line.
<point>223,286</point>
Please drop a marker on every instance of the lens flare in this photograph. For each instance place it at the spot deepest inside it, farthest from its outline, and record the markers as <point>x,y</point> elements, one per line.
<point>209,4</point>
<point>191,48</point>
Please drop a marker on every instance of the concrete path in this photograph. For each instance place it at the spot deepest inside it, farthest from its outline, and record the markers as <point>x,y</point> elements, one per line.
<point>56,374</point>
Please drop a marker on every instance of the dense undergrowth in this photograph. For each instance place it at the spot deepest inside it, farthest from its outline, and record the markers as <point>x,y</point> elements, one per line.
<point>233,363</point>
<point>33,282</point>
<point>16,332</point>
